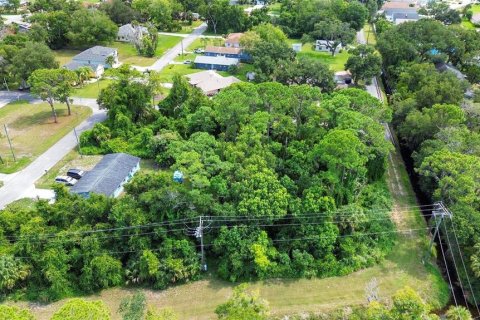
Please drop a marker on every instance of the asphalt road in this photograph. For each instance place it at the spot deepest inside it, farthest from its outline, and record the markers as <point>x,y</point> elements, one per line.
<point>22,184</point>
<point>171,54</point>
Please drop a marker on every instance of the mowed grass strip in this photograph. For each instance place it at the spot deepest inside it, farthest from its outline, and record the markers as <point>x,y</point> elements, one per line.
<point>32,130</point>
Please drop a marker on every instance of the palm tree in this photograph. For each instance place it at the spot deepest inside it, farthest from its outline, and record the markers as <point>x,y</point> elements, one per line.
<point>83,74</point>
<point>110,60</point>
<point>458,313</point>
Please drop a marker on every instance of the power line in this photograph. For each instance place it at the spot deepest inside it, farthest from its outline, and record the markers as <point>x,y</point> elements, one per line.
<point>183,221</point>
<point>455,263</point>
<point>446,269</point>
<point>465,268</point>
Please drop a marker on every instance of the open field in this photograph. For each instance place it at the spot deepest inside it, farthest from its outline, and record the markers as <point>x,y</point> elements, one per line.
<point>401,268</point>
<point>128,54</point>
<point>64,56</point>
<point>91,90</point>
<point>32,130</point>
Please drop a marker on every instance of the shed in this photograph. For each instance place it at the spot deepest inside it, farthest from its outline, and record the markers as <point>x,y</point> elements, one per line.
<point>215,63</point>
<point>108,176</point>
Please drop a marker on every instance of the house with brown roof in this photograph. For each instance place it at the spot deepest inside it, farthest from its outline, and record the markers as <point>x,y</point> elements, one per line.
<point>210,82</point>
<point>229,52</point>
<point>233,40</point>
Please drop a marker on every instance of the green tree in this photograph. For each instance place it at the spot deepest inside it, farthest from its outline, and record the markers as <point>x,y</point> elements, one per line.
<point>32,57</point>
<point>51,85</point>
<point>335,32</point>
<point>56,24</point>
<point>363,63</point>
<point>79,309</point>
<point>305,71</point>
<point>243,305</point>
<point>458,313</point>
<point>407,304</point>
<point>355,14</point>
<point>91,27</point>
<point>12,271</point>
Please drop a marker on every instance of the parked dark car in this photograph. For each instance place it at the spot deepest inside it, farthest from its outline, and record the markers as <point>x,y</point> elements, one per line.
<point>75,173</point>
<point>68,181</point>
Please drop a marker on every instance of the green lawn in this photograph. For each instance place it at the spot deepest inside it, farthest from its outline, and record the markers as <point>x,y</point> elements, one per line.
<point>467,24</point>
<point>475,8</point>
<point>336,63</point>
<point>91,90</point>
<point>370,34</point>
<point>64,56</point>
<point>128,54</point>
<point>32,130</point>
<point>172,69</point>
<point>275,8</point>
<point>203,42</point>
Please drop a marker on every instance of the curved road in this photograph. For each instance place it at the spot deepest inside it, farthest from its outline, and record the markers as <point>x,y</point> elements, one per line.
<point>22,183</point>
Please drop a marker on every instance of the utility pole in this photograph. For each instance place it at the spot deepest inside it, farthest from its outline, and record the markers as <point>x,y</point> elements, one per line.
<point>10,143</point>
<point>181,42</point>
<point>439,213</point>
<point>78,142</point>
<point>199,234</point>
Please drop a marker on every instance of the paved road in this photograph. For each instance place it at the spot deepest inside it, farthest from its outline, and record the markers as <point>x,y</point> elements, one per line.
<point>372,88</point>
<point>171,54</point>
<point>21,184</point>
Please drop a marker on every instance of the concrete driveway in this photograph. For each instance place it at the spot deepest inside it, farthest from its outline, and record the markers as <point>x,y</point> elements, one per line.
<point>22,184</point>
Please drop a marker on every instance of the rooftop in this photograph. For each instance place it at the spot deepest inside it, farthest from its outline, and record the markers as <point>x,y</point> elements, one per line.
<point>219,60</point>
<point>209,81</point>
<point>234,37</point>
<point>107,175</point>
<point>222,50</point>
<point>95,53</point>
<point>399,5</point>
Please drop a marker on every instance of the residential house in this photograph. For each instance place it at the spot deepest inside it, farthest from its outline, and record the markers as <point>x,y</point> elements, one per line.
<point>215,63</point>
<point>400,12</point>
<point>233,40</point>
<point>297,47</point>
<point>476,19</point>
<point>109,176</point>
<point>131,33</point>
<point>323,46</point>
<point>210,82</point>
<point>95,58</point>
<point>231,52</point>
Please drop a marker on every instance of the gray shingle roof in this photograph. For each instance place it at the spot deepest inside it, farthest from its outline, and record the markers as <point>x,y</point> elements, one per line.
<point>74,65</point>
<point>97,53</point>
<point>107,175</point>
<point>218,60</point>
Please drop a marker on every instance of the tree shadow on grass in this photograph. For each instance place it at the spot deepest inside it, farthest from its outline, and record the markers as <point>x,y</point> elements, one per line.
<point>38,118</point>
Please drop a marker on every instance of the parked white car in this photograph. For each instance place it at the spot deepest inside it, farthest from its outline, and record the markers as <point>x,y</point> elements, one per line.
<point>66,180</point>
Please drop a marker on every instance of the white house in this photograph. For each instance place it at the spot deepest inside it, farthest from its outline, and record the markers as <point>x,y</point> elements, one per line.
<point>233,40</point>
<point>131,33</point>
<point>324,46</point>
<point>95,58</point>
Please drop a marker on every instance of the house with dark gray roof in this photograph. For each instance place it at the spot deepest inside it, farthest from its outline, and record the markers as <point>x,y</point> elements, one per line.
<point>215,63</point>
<point>108,176</point>
<point>95,58</point>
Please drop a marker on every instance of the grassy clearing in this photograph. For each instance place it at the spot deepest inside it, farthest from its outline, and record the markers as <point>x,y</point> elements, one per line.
<point>202,42</point>
<point>128,54</point>
<point>64,56</point>
<point>467,24</point>
<point>370,36</point>
<point>32,130</point>
<point>188,28</point>
<point>475,8</point>
<point>275,8</point>
<point>71,160</point>
<point>336,63</point>
<point>92,90</point>
<point>401,268</point>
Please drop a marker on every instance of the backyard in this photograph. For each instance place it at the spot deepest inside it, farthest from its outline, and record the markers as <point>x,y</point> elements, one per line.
<point>336,63</point>
<point>128,54</point>
<point>32,131</point>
